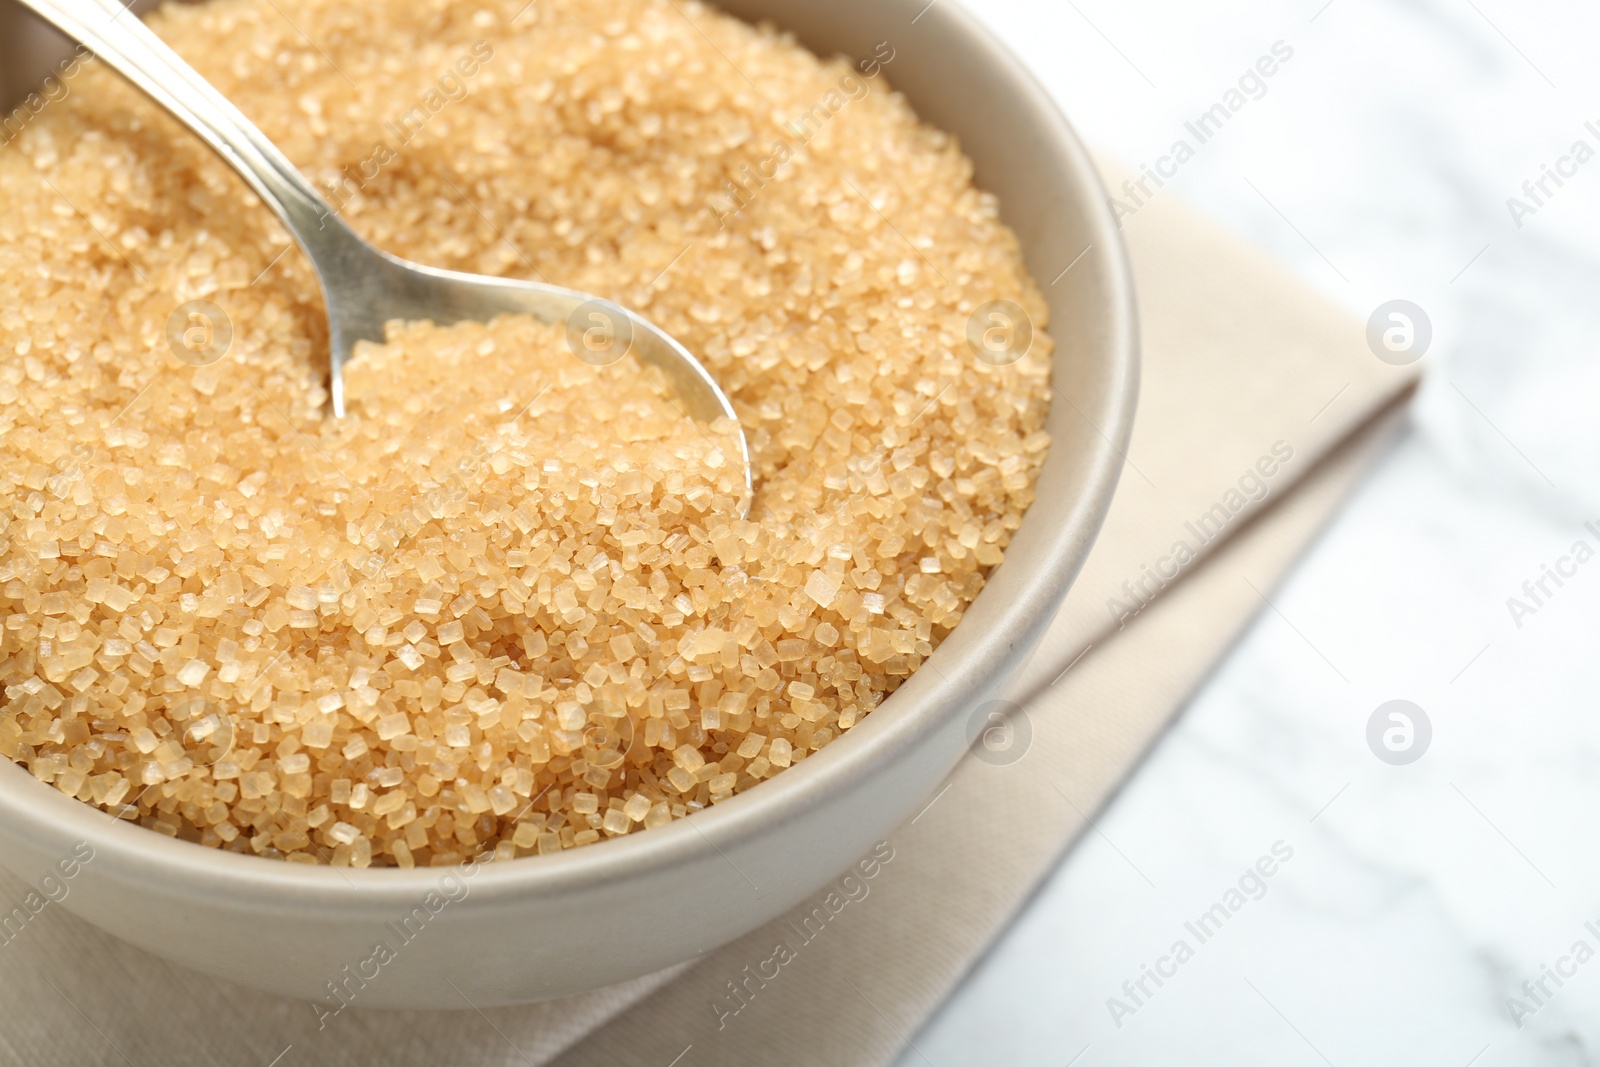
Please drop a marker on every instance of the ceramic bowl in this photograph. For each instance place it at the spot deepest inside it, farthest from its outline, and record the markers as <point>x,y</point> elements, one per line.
<point>554,925</point>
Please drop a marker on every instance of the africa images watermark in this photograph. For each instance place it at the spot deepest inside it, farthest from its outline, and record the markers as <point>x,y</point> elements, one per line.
<point>1251,85</point>
<point>1537,593</point>
<point>52,889</point>
<point>740,192</point>
<point>54,89</point>
<point>1537,192</point>
<point>1537,991</point>
<point>452,87</point>
<point>1253,485</point>
<point>1252,885</point>
<point>851,888</point>
<point>343,988</point>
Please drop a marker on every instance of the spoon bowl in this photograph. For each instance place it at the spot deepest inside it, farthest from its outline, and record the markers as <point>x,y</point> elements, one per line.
<point>363,287</point>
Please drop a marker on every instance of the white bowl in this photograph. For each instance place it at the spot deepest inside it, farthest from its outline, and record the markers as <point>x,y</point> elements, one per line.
<point>549,926</point>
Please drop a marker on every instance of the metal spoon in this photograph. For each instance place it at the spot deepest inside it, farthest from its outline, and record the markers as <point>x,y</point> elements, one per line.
<point>363,287</point>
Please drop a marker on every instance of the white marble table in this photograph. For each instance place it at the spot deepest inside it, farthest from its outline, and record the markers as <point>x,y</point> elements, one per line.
<point>1377,164</point>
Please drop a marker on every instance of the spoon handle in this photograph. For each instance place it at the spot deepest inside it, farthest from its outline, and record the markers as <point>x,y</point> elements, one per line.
<point>343,261</point>
<point>117,37</point>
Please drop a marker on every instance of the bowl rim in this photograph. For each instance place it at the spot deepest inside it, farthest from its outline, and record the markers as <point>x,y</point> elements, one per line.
<point>51,821</point>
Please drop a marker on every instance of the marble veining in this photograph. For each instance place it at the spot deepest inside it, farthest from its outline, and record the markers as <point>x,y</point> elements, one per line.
<point>1429,909</point>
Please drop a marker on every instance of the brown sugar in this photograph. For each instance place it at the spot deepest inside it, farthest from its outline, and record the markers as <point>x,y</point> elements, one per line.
<point>506,604</point>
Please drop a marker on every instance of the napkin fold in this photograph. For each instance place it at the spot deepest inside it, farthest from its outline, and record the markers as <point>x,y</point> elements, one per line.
<point>1260,408</point>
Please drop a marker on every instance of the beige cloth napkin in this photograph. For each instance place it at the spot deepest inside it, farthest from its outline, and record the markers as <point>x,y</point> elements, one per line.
<point>1261,406</point>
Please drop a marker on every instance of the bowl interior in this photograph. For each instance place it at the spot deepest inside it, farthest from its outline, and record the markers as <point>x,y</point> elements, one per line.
<point>958,78</point>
